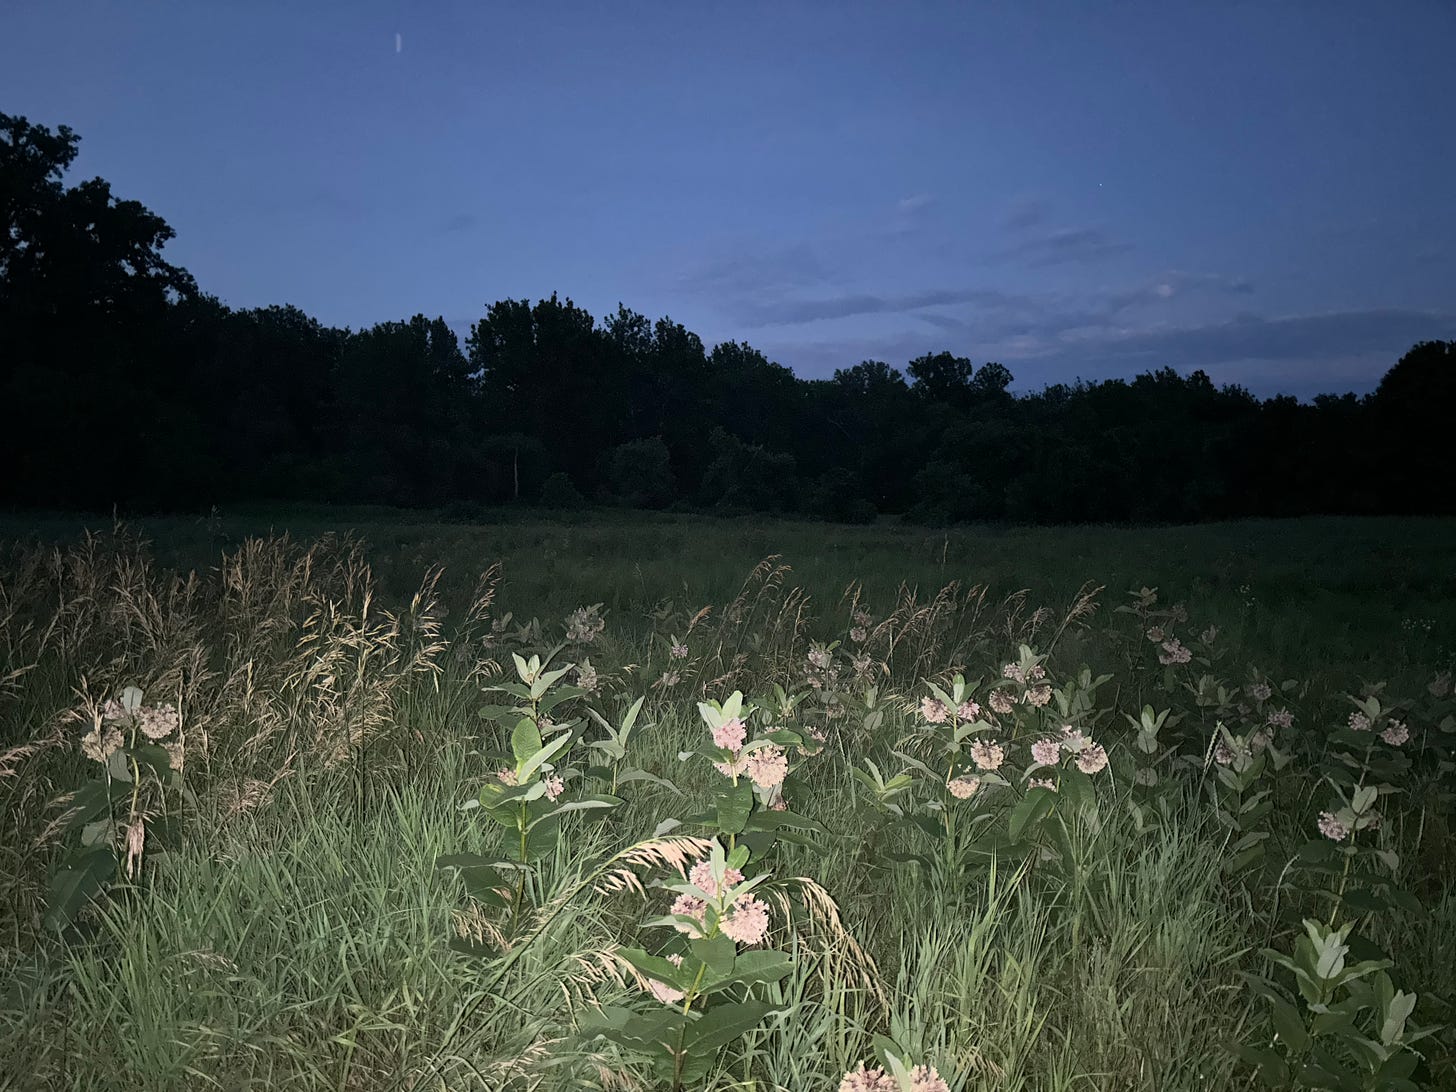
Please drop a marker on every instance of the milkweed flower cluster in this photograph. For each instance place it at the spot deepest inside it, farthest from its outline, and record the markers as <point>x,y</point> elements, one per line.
<point>668,995</point>
<point>1174,651</point>
<point>731,734</point>
<point>868,1080</point>
<point>554,787</point>
<point>678,651</point>
<point>1281,718</point>
<point>117,716</point>
<point>1090,757</point>
<point>747,922</point>
<point>921,1078</point>
<point>934,710</point>
<point>1359,722</point>
<point>1260,691</point>
<point>968,710</point>
<point>1001,702</point>
<point>1046,752</point>
<point>1042,783</point>
<point>740,916</point>
<point>587,678</point>
<point>1331,827</point>
<point>963,787</point>
<point>986,755</point>
<point>768,766</point>
<point>1396,733</point>
<point>585,624</point>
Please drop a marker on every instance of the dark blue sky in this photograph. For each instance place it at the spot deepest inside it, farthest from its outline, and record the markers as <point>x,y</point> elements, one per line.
<point>1263,190</point>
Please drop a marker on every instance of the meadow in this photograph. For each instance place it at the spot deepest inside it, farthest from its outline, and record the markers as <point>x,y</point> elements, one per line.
<point>359,799</point>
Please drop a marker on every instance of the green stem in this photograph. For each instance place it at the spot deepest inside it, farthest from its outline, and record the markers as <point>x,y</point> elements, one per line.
<point>677,1055</point>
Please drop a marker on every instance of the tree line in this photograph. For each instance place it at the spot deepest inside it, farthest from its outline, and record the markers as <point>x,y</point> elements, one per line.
<point>126,385</point>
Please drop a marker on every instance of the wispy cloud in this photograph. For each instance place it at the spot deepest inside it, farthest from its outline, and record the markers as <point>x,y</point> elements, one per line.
<point>790,312</point>
<point>1069,245</point>
<point>460,221</point>
<point>1026,212</point>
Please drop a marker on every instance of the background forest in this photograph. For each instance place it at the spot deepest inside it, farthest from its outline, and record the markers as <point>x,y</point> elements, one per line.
<point>128,385</point>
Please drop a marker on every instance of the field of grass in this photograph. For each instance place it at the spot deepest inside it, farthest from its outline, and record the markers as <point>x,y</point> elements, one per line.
<point>271,914</point>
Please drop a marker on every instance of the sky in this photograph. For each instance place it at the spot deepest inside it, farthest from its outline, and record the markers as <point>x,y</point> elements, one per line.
<point>1263,190</point>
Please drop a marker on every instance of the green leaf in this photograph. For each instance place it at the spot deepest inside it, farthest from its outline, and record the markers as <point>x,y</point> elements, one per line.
<point>1288,1025</point>
<point>722,1024</point>
<point>1029,812</point>
<point>586,803</point>
<point>525,740</point>
<point>543,755</point>
<point>735,803</point>
<point>717,952</point>
<point>82,877</point>
<point>1268,1066</point>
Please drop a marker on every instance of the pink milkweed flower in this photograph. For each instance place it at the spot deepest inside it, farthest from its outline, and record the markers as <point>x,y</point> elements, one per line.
<point>554,787</point>
<point>679,651</point>
<point>1042,783</point>
<point>819,658</point>
<point>506,777</point>
<point>1359,722</point>
<point>1039,696</point>
<point>1156,634</point>
<point>1073,741</point>
<point>1281,718</point>
<point>668,995</point>
<point>733,767</point>
<point>1223,754</point>
<point>933,710</point>
<point>730,734</point>
<point>701,877</point>
<point>1092,759</point>
<point>1001,702</point>
<point>1046,752</point>
<point>1173,651</point>
<point>747,922</point>
<point>987,755</point>
<point>1260,691</point>
<point>963,787</point>
<point>968,710</point>
<point>858,634</point>
<point>1395,733</point>
<point>868,1080</point>
<point>1332,828</point>
<point>689,906</point>
<point>768,766</point>
<point>925,1078</point>
<point>1013,672</point>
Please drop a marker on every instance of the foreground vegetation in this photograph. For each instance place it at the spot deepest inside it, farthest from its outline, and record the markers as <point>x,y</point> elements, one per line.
<point>321,815</point>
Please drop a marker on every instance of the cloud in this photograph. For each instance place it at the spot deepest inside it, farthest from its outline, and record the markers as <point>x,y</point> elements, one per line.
<point>1026,212</point>
<point>915,202</point>
<point>461,221</point>
<point>1298,354</point>
<point>1069,245</point>
<point>788,312</point>
<point>756,272</point>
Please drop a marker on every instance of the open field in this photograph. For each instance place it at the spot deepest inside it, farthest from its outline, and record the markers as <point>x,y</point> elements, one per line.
<point>269,913</point>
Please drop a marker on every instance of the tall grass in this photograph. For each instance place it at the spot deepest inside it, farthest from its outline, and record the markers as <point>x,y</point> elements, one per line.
<point>288,928</point>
